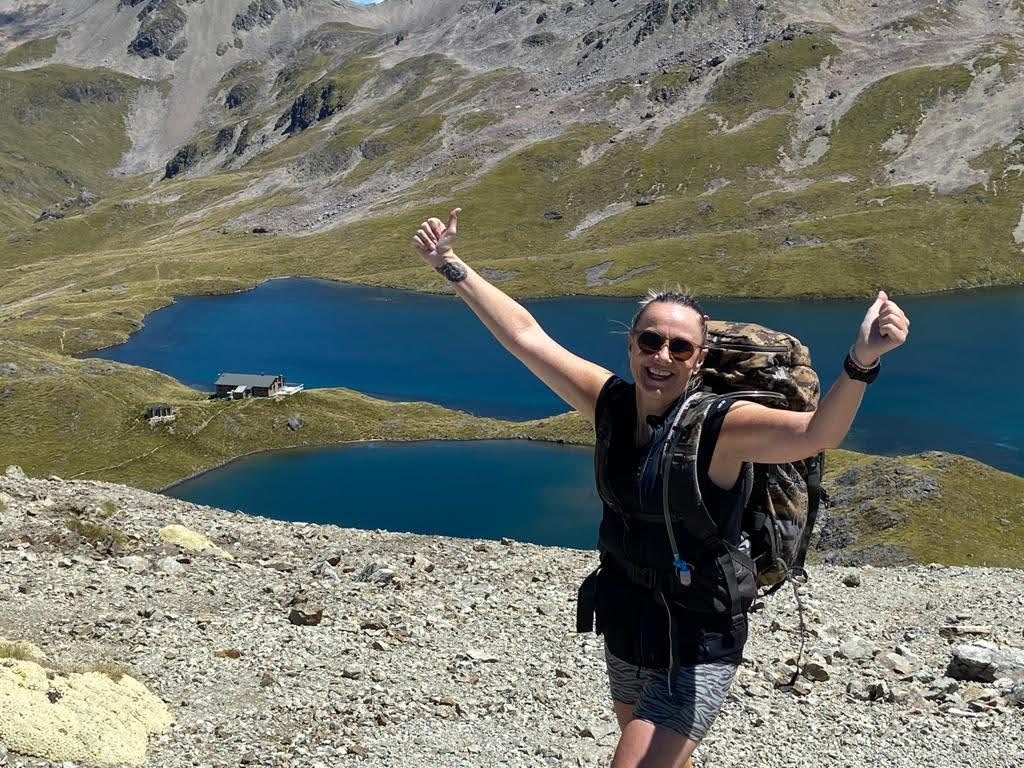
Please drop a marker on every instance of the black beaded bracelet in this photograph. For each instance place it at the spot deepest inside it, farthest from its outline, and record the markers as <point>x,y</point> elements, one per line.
<point>859,373</point>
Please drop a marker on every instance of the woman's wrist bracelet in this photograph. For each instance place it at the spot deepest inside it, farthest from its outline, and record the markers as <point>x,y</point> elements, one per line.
<point>858,372</point>
<point>852,355</point>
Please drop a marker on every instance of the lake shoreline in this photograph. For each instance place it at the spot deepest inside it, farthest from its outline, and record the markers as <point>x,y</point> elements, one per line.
<point>366,441</point>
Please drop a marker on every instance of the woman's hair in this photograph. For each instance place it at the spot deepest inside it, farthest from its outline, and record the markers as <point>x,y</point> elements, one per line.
<point>677,296</point>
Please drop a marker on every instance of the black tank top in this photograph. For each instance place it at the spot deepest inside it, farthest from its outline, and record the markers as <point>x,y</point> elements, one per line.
<point>635,625</point>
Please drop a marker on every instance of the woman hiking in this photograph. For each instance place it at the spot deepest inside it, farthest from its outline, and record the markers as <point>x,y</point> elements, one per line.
<point>665,694</point>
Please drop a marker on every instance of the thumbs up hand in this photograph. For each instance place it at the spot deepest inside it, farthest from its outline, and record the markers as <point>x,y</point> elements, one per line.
<point>434,241</point>
<point>885,327</point>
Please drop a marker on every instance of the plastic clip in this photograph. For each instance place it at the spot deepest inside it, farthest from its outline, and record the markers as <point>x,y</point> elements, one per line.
<point>683,570</point>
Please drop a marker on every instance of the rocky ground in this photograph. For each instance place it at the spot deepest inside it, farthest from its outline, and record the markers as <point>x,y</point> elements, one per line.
<point>315,645</point>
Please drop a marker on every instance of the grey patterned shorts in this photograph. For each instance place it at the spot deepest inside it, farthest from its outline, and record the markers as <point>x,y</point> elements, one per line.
<point>700,691</point>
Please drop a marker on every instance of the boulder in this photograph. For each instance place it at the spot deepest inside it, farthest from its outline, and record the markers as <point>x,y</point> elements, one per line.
<point>816,670</point>
<point>306,614</point>
<point>856,648</point>
<point>169,565</point>
<point>132,563</point>
<point>984,662</point>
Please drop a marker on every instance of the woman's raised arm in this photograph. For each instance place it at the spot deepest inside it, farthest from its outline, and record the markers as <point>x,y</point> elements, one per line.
<point>752,432</point>
<point>577,381</point>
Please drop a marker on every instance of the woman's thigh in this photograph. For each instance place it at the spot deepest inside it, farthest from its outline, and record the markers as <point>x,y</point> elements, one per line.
<point>623,713</point>
<point>646,745</point>
<point>660,729</point>
<point>639,747</point>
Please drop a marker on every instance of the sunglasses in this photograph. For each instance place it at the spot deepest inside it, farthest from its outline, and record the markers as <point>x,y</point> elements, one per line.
<point>652,342</point>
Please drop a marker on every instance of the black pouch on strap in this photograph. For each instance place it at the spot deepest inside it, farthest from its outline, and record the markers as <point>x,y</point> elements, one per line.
<point>586,603</point>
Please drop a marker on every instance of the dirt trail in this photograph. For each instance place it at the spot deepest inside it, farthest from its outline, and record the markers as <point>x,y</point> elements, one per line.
<point>29,299</point>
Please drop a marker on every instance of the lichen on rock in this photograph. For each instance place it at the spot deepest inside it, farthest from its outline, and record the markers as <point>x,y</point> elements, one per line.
<point>191,540</point>
<point>85,717</point>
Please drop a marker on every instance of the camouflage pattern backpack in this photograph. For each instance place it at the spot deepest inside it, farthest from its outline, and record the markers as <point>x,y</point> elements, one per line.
<point>749,361</point>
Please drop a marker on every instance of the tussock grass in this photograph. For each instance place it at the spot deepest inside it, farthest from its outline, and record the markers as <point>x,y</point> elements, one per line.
<point>16,651</point>
<point>24,651</point>
<point>893,104</point>
<point>764,79</point>
<point>476,121</point>
<point>114,671</point>
<point>94,532</point>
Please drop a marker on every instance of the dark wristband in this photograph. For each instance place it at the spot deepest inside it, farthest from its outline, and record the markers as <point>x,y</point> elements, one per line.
<point>452,271</point>
<point>858,372</point>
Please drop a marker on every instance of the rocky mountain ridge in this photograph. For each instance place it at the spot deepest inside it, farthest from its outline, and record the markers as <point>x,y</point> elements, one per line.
<point>317,60</point>
<point>281,644</point>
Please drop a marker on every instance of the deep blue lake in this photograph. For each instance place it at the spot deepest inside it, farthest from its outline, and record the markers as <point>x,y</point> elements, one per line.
<point>939,391</point>
<point>473,489</point>
<point>952,387</point>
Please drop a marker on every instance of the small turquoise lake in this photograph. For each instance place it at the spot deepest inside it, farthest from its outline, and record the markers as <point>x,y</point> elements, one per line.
<point>529,491</point>
<point>952,387</point>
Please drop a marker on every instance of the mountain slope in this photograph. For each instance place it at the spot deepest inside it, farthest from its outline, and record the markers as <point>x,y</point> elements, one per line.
<point>742,148</point>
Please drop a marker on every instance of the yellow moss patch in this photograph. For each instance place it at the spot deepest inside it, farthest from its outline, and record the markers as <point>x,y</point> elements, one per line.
<point>191,540</point>
<point>80,717</point>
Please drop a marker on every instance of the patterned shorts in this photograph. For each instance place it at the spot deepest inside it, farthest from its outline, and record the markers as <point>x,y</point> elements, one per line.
<point>700,691</point>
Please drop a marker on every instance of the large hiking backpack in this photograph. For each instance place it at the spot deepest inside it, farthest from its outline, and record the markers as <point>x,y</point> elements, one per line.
<point>750,362</point>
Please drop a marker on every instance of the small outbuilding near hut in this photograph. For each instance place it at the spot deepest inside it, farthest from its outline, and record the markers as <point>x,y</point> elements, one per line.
<point>159,411</point>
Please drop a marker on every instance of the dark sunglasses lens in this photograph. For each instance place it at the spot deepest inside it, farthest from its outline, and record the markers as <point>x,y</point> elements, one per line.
<point>681,349</point>
<point>649,341</point>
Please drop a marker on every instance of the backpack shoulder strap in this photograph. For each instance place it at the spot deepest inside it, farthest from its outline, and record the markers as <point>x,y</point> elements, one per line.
<point>684,442</point>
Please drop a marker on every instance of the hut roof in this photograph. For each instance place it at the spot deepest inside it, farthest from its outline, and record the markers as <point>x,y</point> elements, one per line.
<point>246,380</point>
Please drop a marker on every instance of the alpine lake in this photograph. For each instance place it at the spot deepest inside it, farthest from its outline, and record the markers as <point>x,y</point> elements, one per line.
<point>953,387</point>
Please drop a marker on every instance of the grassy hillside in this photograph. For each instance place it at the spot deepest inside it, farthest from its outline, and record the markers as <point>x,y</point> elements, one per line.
<point>29,52</point>
<point>927,508</point>
<point>85,419</point>
<point>64,131</point>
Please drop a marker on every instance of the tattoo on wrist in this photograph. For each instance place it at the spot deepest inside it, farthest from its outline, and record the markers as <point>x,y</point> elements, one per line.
<point>453,271</point>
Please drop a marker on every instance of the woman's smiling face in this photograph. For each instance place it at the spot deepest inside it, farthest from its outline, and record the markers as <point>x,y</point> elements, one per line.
<point>661,379</point>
